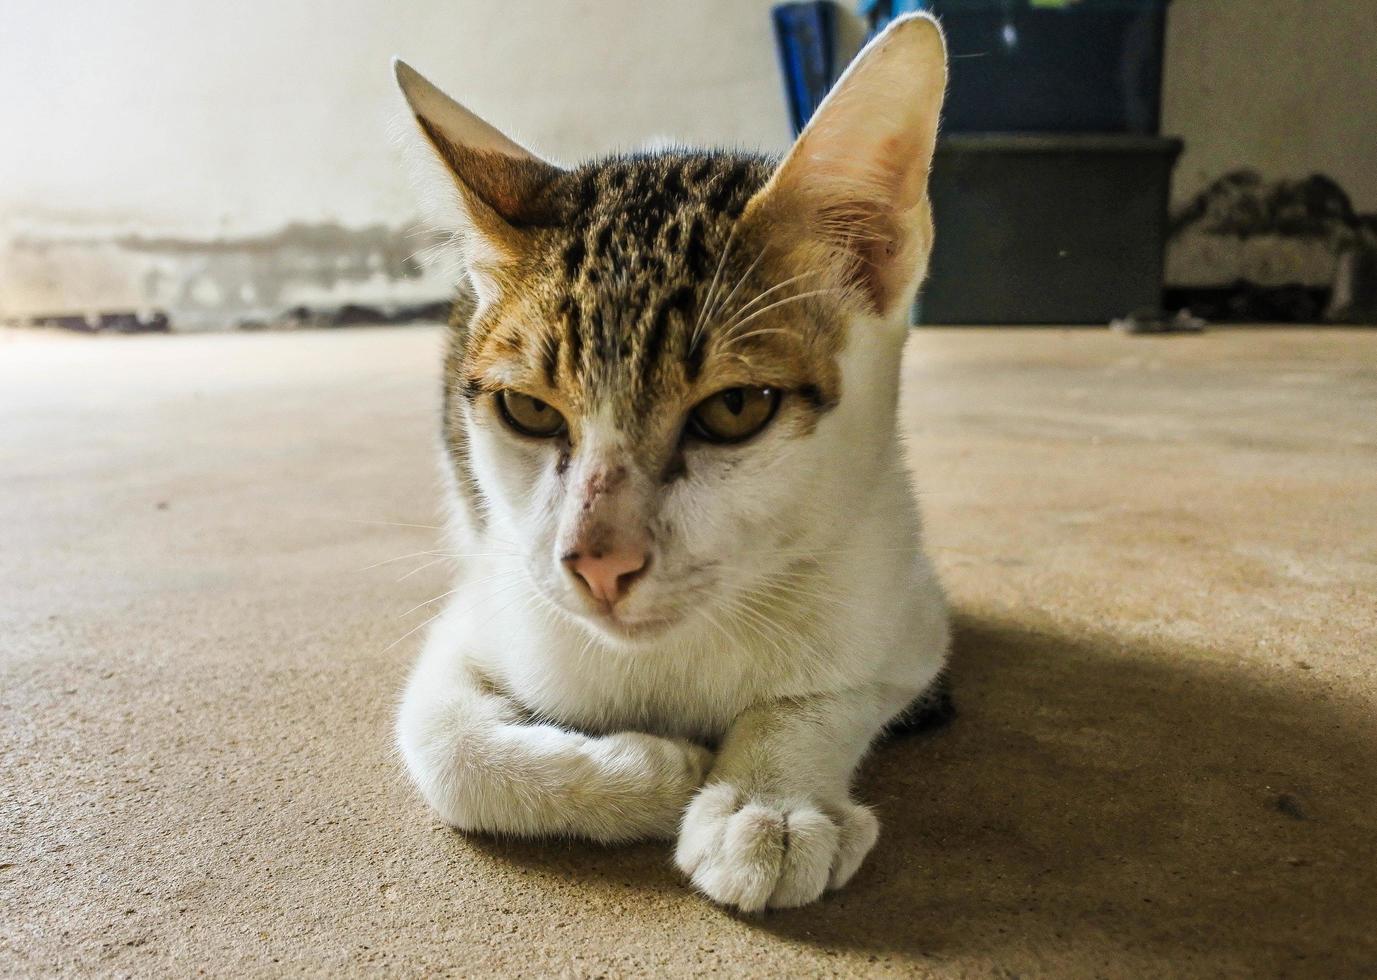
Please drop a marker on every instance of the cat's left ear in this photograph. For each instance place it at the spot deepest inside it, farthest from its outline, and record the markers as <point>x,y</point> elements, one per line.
<point>851,195</point>
<point>498,181</point>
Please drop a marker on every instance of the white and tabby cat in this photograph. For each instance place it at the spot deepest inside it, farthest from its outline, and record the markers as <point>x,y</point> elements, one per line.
<point>692,589</point>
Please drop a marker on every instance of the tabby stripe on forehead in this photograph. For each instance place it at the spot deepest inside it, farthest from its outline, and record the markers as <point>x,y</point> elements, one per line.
<point>603,241</point>
<point>574,255</point>
<point>587,191</point>
<point>725,194</point>
<point>673,234</point>
<point>695,354</point>
<point>641,183</point>
<point>573,332</point>
<point>617,175</point>
<point>550,352</point>
<point>695,251</point>
<point>674,180</point>
<point>678,302</point>
<point>600,334</point>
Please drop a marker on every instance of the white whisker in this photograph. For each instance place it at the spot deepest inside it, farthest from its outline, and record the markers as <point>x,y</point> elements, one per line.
<point>762,332</point>
<point>413,630</point>
<point>420,605</point>
<point>428,527</point>
<point>462,587</point>
<point>796,297</point>
<point>741,281</point>
<point>389,561</point>
<point>422,567</point>
<point>764,293</point>
<point>441,554</point>
<point>712,289</point>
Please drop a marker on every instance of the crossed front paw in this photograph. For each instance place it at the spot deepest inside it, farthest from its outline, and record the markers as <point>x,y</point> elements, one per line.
<point>755,852</point>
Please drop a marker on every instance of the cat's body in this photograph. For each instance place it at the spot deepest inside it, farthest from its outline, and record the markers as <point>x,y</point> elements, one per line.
<point>692,588</point>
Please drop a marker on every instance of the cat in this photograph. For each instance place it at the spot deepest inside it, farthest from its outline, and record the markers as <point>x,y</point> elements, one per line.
<point>692,588</point>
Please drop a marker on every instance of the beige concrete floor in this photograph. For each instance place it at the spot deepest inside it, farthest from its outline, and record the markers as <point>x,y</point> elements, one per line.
<point>1164,556</point>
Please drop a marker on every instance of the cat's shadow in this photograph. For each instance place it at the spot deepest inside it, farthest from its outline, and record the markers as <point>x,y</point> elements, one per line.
<point>1169,805</point>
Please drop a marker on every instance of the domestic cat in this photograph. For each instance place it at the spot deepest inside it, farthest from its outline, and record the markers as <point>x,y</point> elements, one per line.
<point>692,589</point>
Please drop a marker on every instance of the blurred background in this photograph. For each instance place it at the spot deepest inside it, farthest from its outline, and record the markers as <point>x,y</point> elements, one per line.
<point>198,165</point>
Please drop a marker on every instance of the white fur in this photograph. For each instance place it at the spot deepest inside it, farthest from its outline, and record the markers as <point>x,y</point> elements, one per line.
<point>804,617</point>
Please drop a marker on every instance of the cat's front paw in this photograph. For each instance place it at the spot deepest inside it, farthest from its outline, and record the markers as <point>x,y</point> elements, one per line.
<point>753,853</point>
<point>660,776</point>
<point>679,762</point>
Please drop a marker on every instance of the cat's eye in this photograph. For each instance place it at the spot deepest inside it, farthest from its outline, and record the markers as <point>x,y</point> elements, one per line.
<point>529,415</point>
<point>734,414</point>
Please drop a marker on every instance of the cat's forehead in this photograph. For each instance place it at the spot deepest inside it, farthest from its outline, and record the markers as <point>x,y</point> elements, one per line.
<point>661,213</point>
<point>641,271</point>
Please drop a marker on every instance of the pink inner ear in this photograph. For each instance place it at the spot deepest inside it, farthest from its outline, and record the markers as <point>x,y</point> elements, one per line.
<point>905,160</point>
<point>873,244</point>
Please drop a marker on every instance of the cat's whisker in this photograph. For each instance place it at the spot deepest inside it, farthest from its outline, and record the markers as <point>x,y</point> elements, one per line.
<point>796,592</point>
<point>413,629</point>
<point>799,587</point>
<point>462,587</point>
<point>745,308</point>
<point>429,527</point>
<point>441,555</point>
<point>586,647</point>
<point>741,281</point>
<point>520,597</point>
<point>422,567</point>
<point>706,610</point>
<point>762,332</point>
<point>430,601</point>
<point>698,326</point>
<point>771,632</point>
<point>795,298</point>
<point>807,553</point>
<point>550,605</point>
<point>429,251</point>
<point>491,594</point>
<point>390,561</point>
<point>764,627</point>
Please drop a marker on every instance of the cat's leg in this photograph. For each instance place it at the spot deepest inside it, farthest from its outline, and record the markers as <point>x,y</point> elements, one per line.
<point>775,825</point>
<point>484,767</point>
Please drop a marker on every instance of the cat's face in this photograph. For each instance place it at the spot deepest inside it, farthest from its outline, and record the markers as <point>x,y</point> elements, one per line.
<point>682,367</point>
<point>642,401</point>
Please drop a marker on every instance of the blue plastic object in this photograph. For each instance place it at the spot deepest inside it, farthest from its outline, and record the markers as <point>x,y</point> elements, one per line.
<point>805,38</point>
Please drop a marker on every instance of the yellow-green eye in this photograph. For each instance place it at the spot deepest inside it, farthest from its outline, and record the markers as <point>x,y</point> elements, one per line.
<point>734,414</point>
<point>529,416</point>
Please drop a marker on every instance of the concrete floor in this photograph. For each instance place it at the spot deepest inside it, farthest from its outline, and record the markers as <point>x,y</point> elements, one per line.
<point>1164,556</point>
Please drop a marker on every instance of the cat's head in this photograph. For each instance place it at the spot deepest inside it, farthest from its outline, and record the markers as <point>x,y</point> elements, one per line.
<point>681,375</point>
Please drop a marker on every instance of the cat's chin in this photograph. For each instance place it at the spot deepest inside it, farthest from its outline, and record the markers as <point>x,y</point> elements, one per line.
<point>634,632</point>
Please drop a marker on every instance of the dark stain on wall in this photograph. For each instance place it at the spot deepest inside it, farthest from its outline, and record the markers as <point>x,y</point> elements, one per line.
<point>303,274</point>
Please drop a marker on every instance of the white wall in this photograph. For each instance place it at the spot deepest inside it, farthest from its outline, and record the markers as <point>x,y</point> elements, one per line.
<point>233,116</point>
<point>224,118</point>
<point>1285,86</point>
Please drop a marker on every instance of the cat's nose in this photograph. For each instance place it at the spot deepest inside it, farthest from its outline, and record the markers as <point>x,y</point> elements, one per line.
<point>609,575</point>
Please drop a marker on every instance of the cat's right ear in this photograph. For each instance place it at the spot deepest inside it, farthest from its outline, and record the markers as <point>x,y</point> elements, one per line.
<point>853,190</point>
<point>496,183</point>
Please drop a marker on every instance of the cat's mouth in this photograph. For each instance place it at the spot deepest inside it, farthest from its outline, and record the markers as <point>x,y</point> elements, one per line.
<point>647,628</point>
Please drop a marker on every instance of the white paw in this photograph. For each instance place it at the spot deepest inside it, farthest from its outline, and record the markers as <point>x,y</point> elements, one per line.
<point>754,853</point>
<point>657,779</point>
<point>679,762</point>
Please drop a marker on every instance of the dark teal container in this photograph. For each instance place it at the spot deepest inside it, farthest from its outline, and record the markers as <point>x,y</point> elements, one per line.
<point>1047,229</point>
<point>1053,66</point>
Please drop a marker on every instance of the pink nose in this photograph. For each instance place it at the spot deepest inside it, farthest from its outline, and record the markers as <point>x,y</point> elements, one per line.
<point>610,575</point>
